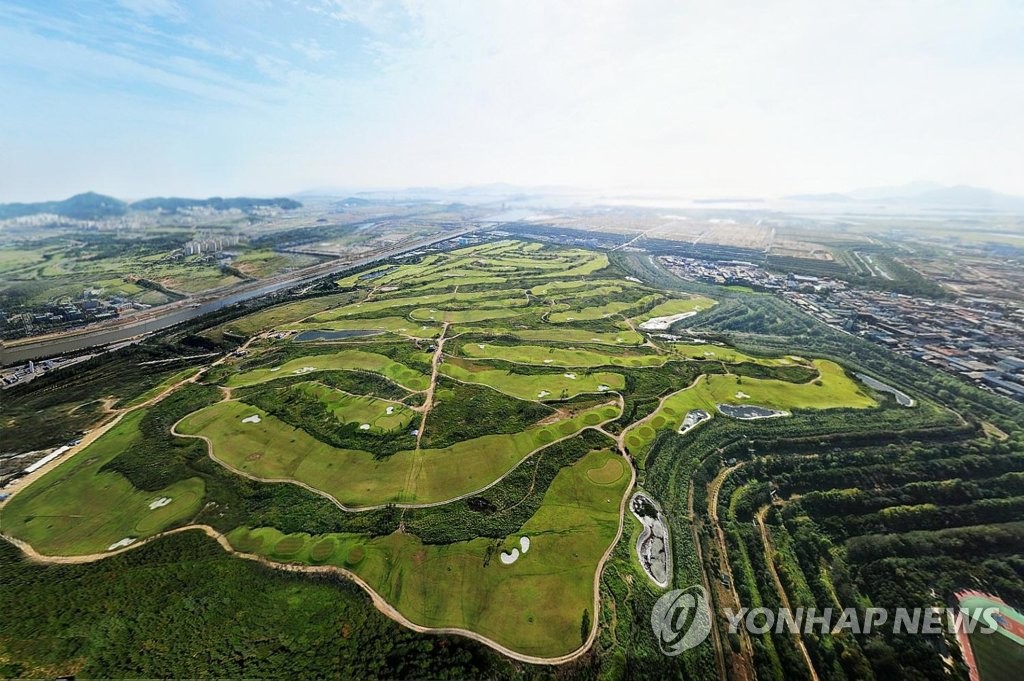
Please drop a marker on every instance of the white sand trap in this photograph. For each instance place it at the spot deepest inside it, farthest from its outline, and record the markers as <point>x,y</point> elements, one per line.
<point>157,503</point>
<point>619,340</point>
<point>742,396</point>
<point>509,558</point>
<point>543,393</point>
<point>304,370</point>
<point>255,418</point>
<point>548,361</point>
<point>570,375</point>
<point>524,544</point>
<point>389,411</point>
<point>481,345</point>
<point>709,354</point>
<point>365,426</point>
<point>276,369</point>
<point>603,387</point>
<point>570,319</point>
<point>127,541</point>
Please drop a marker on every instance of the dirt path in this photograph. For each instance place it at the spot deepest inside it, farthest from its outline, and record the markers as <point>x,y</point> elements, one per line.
<point>382,605</point>
<point>769,553</point>
<point>743,662</point>
<point>428,403</point>
<point>716,639</point>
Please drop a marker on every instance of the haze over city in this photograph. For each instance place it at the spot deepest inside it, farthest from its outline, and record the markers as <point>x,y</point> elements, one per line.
<point>145,97</point>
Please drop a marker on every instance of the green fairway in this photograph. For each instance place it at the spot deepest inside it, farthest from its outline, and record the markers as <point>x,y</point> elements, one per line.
<point>397,325</point>
<point>831,390</point>
<point>464,316</point>
<point>723,353</point>
<point>555,356</point>
<point>344,359</point>
<point>548,386</point>
<point>76,509</point>
<point>678,306</point>
<point>380,416</point>
<point>533,606</point>
<point>273,450</point>
<point>601,311</point>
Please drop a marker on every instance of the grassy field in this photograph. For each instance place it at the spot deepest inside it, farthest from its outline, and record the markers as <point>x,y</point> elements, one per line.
<point>832,389</point>
<point>556,356</point>
<point>379,415</point>
<point>534,386</point>
<point>271,449</point>
<point>344,359</point>
<point>396,325</point>
<point>678,306</point>
<point>600,311</point>
<point>76,509</point>
<point>535,605</point>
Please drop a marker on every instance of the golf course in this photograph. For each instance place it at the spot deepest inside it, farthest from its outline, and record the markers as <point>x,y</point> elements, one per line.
<point>498,399</point>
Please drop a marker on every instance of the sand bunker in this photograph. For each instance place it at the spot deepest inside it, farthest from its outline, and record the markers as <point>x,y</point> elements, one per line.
<point>365,426</point>
<point>255,418</point>
<point>742,395</point>
<point>127,541</point>
<point>548,361</point>
<point>543,393</point>
<point>603,387</point>
<point>389,411</point>
<point>157,503</point>
<point>524,544</point>
<point>663,323</point>
<point>570,375</point>
<point>509,558</point>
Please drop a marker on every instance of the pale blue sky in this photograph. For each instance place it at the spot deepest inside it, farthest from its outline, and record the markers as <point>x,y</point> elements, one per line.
<point>144,97</point>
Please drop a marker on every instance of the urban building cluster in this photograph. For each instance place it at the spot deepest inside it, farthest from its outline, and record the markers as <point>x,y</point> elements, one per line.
<point>211,245</point>
<point>978,338</point>
<point>92,306</point>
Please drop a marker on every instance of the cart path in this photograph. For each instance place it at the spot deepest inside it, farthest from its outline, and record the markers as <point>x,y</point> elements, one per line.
<point>769,551</point>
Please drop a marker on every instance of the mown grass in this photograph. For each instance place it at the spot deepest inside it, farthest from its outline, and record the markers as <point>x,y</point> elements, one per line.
<point>535,605</point>
<point>545,386</point>
<point>342,360</point>
<point>76,509</point>
<point>274,450</point>
<point>831,390</point>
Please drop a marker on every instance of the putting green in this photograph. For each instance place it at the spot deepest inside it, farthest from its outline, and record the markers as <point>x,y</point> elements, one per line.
<point>344,359</point>
<point>75,509</point>
<point>533,606</point>
<point>272,450</point>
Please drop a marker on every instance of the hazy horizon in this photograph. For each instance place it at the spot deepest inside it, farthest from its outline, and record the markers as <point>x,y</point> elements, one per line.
<point>157,97</point>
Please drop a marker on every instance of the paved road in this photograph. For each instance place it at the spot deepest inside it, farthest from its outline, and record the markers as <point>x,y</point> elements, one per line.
<point>162,318</point>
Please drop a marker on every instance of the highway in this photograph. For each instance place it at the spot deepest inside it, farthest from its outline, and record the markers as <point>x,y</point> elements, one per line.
<point>21,351</point>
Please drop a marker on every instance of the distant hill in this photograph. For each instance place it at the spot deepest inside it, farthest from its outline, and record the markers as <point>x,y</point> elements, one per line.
<point>93,206</point>
<point>923,195</point>
<point>87,206</point>
<point>244,203</point>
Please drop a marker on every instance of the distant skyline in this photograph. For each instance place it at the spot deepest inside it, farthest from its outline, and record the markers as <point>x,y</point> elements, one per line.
<point>138,98</point>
